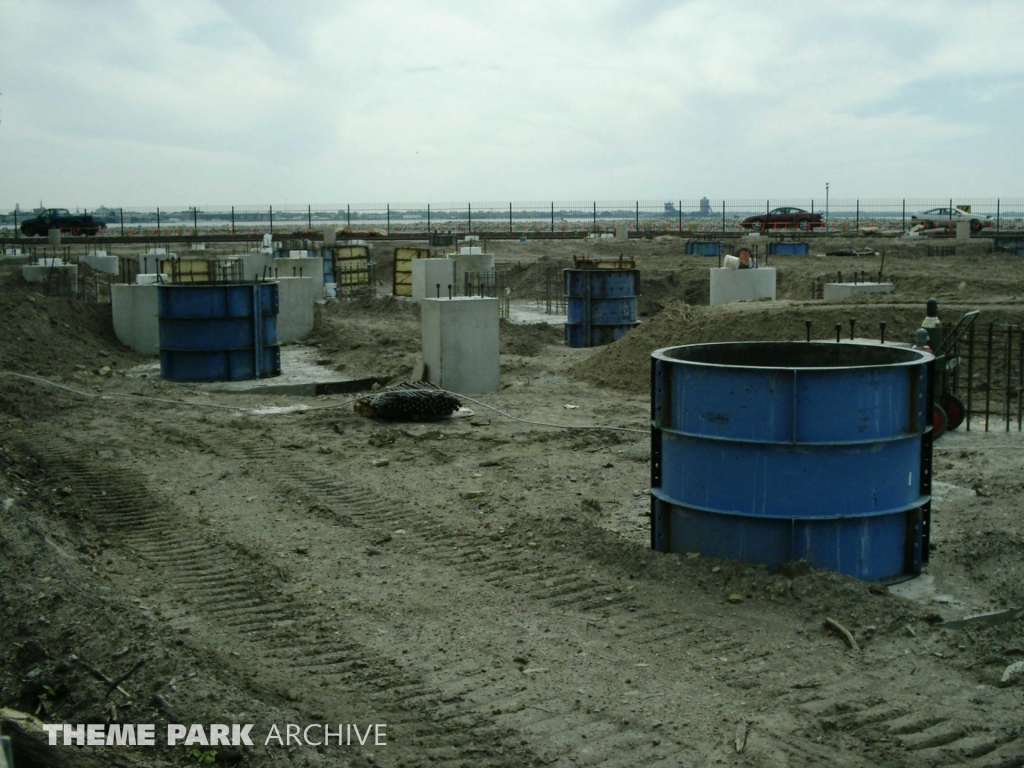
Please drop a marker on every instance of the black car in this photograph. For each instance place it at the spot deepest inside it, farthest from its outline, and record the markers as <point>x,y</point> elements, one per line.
<point>64,220</point>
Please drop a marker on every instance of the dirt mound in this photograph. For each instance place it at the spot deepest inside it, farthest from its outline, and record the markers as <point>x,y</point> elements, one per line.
<point>625,364</point>
<point>368,336</point>
<point>528,340</point>
<point>55,333</point>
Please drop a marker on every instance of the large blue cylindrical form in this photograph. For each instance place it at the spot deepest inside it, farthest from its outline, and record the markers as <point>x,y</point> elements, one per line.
<point>704,248</point>
<point>601,305</point>
<point>771,452</point>
<point>225,332</point>
<point>793,249</point>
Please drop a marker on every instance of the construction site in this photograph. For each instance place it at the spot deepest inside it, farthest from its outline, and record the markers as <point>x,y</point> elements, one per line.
<point>626,498</point>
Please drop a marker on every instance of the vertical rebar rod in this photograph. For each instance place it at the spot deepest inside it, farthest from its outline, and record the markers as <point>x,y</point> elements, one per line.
<point>309,216</point>
<point>723,217</point>
<point>1020,377</point>
<point>232,219</point>
<point>122,222</point>
<point>158,219</point>
<point>988,375</point>
<point>637,215</point>
<point>271,219</point>
<point>1009,372</point>
<point>552,217</point>
<point>853,322</point>
<point>348,215</point>
<point>807,325</point>
<point>881,325</point>
<point>970,374</point>
<point>839,331</point>
<point>389,217</point>
<point>469,217</point>
<point>510,227</point>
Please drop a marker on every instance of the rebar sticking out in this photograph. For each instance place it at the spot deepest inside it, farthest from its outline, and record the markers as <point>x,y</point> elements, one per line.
<point>853,322</point>
<point>882,325</point>
<point>807,325</point>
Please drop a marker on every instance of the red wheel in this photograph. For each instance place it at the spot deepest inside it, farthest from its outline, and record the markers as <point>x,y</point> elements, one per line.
<point>939,422</point>
<point>955,410</point>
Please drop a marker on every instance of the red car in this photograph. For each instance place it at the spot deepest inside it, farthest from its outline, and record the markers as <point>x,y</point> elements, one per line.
<point>784,218</point>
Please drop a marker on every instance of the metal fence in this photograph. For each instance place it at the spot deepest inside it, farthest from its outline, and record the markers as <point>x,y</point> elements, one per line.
<point>567,217</point>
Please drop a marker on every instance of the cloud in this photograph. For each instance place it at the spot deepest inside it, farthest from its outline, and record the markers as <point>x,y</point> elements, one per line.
<point>199,101</point>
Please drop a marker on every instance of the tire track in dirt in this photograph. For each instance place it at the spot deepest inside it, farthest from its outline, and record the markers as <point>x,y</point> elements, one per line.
<point>230,598</point>
<point>554,731</point>
<point>947,739</point>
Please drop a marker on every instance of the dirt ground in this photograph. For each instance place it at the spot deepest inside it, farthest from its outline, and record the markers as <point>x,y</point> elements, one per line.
<point>483,586</point>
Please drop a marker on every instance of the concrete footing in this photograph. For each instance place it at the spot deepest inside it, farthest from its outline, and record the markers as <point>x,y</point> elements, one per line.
<point>470,262</point>
<point>729,285</point>
<point>108,265</point>
<point>838,291</point>
<point>40,273</point>
<point>311,267</point>
<point>295,299</point>
<point>134,310</point>
<point>427,274</point>
<point>460,344</point>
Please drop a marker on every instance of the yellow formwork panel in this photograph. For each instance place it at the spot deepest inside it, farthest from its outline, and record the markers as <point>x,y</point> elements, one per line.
<point>404,256</point>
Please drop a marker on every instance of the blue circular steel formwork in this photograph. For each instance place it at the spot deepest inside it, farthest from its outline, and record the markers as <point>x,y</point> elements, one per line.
<point>218,332</point>
<point>770,452</point>
<point>601,305</point>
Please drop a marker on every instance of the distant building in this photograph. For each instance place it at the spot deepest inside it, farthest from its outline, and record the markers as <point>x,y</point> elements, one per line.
<point>705,207</point>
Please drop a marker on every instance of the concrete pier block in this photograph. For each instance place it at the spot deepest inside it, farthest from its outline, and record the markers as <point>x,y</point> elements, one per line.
<point>108,265</point>
<point>134,310</point>
<point>963,231</point>
<point>460,343</point>
<point>729,285</point>
<point>40,273</point>
<point>838,291</point>
<point>295,297</point>
<point>301,267</point>
<point>470,262</point>
<point>427,274</point>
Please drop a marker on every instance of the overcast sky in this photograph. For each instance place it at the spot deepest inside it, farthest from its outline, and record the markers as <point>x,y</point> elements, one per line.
<point>186,102</point>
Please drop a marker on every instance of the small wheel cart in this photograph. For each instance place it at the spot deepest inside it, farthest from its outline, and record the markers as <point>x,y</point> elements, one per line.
<point>950,411</point>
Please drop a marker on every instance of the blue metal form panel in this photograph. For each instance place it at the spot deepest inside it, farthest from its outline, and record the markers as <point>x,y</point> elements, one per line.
<point>218,332</point>
<point>601,305</point>
<point>768,452</point>
<point>771,480</point>
<point>703,248</point>
<point>327,254</point>
<point>793,249</point>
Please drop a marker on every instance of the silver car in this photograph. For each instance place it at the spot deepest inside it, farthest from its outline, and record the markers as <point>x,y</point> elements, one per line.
<point>948,217</point>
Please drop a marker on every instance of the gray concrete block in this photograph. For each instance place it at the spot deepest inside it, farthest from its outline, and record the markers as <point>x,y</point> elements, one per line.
<point>728,285</point>
<point>427,274</point>
<point>460,343</point>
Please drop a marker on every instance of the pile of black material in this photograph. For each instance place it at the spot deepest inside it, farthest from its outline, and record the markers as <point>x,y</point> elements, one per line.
<point>409,401</point>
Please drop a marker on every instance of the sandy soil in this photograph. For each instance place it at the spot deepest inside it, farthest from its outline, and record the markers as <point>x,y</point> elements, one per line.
<point>483,586</point>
